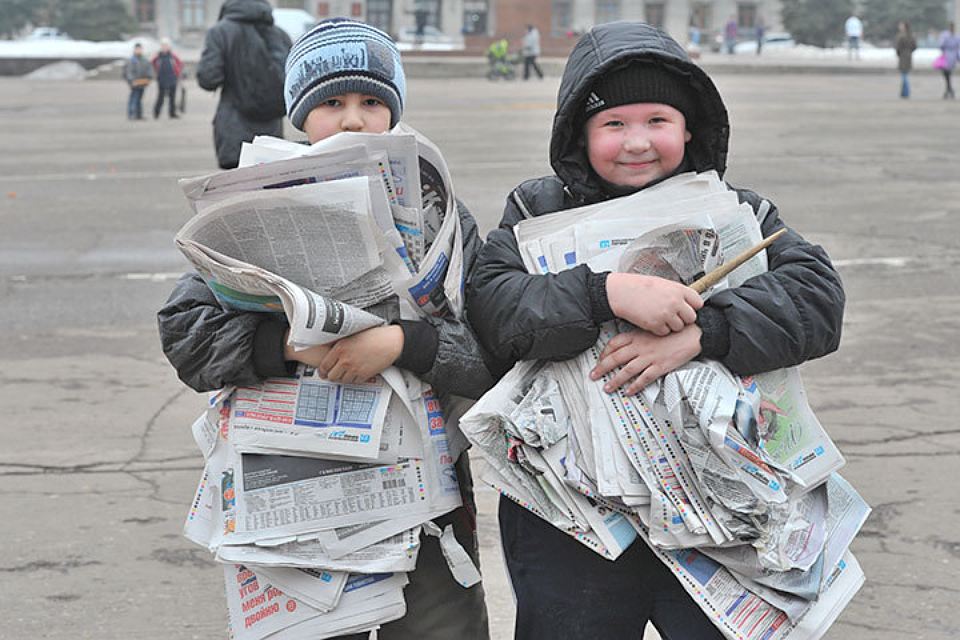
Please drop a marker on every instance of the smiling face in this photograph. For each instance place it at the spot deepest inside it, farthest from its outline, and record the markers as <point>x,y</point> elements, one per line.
<point>635,144</point>
<point>349,112</point>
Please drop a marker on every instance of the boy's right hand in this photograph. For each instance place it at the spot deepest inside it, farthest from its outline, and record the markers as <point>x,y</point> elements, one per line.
<point>654,304</point>
<point>311,356</point>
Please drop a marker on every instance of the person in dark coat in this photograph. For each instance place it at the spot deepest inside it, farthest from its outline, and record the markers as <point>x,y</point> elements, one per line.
<point>240,22</point>
<point>633,110</point>
<point>168,67</point>
<point>905,45</point>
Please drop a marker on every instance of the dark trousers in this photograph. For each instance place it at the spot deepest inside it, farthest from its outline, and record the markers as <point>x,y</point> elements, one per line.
<point>135,103</point>
<point>528,62</point>
<point>565,591</point>
<point>438,608</point>
<point>948,92</point>
<point>168,93</point>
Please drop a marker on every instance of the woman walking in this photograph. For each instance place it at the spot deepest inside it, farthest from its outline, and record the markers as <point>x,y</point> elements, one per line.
<point>905,44</point>
<point>950,48</point>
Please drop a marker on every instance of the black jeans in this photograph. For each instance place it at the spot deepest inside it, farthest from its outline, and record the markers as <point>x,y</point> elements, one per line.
<point>565,591</point>
<point>166,92</point>
<point>531,61</point>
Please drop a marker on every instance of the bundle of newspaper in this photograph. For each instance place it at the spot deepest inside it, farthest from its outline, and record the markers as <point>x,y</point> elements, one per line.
<point>314,493</point>
<point>731,481</point>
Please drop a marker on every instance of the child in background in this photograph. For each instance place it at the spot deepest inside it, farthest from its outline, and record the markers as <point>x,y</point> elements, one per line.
<point>347,76</point>
<point>632,111</point>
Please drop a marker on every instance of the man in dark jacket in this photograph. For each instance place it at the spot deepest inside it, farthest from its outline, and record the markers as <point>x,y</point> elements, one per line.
<point>241,22</point>
<point>780,318</point>
<point>167,66</point>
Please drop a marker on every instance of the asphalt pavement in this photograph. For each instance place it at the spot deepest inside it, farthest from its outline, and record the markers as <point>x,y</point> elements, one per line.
<point>98,466</point>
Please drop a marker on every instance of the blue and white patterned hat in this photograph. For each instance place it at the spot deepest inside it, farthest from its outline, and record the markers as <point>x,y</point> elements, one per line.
<point>341,56</point>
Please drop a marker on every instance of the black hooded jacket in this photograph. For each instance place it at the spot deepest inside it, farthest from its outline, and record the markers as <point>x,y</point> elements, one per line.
<point>786,316</point>
<point>239,21</point>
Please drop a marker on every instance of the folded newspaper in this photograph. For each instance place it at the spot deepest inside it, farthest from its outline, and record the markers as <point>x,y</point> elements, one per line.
<point>730,480</point>
<point>315,493</point>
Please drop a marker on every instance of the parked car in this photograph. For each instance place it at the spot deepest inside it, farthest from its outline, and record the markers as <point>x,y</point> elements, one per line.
<point>432,38</point>
<point>295,22</point>
<point>775,40</point>
<point>47,33</point>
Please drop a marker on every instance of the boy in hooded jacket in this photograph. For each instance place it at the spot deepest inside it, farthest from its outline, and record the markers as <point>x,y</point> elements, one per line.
<point>632,111</point>
<point>344,75</point>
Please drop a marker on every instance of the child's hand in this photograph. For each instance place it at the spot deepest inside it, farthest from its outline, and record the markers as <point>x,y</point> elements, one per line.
<point>645,357</point>
<point>654,304</point>
<point>311,356</point>
<point>362,355</point>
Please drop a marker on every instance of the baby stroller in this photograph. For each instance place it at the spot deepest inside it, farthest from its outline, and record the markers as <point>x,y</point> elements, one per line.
<point>502,64</point>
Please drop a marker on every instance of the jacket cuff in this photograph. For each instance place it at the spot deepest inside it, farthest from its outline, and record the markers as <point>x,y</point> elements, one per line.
<point>268,346</point>
<point>420,343</point>
<point>599,304</point>
<point>715,337</point>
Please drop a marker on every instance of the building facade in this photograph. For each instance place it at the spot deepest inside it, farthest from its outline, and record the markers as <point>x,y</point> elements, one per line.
<point>478,22</point>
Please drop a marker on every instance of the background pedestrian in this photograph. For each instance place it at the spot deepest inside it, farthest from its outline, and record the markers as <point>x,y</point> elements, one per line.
<point>949,47</point>
<point>761,33</point>
<point>531,50</point>
<point>243,56</point>
<point>730,34</point>
<point>853,27</point>
<point>138,74</point>
<point>168,67</point>
<point>905,44</point>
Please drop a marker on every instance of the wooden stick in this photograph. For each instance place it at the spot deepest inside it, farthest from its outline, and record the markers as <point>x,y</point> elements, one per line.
<point>721,272</point>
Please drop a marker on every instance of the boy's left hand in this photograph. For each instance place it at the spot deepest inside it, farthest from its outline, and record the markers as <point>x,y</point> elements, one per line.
<point>362,355</point>
<point>645,357</point>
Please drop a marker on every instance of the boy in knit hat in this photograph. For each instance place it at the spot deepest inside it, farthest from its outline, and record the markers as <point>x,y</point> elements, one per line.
<point>632,111</point>
<point>347,76</point>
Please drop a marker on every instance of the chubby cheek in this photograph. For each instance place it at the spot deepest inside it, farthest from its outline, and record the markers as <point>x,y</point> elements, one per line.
<point>602,149</point>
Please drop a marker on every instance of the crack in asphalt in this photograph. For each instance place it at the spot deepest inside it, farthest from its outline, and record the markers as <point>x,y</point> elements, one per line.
<point>38,565</point>
<point>151,421</point>
<point>897,438</point>
<point>904,454</point>
<point>70,471</point>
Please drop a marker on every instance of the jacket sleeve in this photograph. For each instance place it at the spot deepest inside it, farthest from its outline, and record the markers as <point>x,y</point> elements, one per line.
<point>211,347</point>
<point>459,365</point>
<point>211,69</point>
<point>518,316</point>
<point>788,315</point>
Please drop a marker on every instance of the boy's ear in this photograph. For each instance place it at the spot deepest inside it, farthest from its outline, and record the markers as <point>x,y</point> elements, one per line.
<point>687,136</point>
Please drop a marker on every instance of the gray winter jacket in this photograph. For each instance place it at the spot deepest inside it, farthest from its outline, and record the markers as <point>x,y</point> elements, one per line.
<point>783,317</point>
<point>217,68</point>
<point>212,347</point>
<point>137,68</point>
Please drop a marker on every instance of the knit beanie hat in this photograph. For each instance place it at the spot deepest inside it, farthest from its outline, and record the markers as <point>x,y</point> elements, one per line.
<point>340,56</point>
<point>642,82</point>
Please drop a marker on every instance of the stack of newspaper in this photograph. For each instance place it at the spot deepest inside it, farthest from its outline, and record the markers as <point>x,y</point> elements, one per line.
<point>730,480</point>
<point>314,493</point>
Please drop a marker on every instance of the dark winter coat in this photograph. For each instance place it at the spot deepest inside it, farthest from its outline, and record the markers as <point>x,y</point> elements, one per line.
<point>240,20</point>
<point>168,68</point>
<point>211,347</point>
<point>905,46</point>
<point>783,317</point>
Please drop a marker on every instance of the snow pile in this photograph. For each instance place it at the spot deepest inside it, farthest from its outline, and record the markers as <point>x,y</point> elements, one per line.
<point>75,49</point>
<point>63,70</point>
